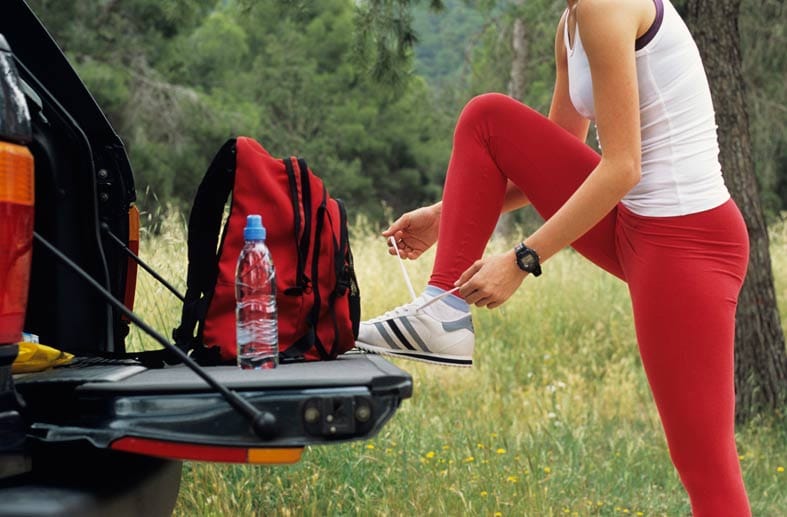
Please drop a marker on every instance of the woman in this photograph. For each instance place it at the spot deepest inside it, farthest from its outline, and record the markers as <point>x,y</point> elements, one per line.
<point>652,209</point>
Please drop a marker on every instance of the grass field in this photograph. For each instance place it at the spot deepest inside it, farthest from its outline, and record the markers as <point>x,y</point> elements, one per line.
<point>555,418</point>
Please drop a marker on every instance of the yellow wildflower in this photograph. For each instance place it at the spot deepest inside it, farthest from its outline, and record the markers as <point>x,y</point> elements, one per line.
<point>501,451</point>
<point>547,470</point>
<point>512,479</point>
<point>370,446</point>
<point>469,459</point>
<point>484,493</point>
<point>430,454</point>
<point>498,514</point>
<point>480,445</point>
<point>779,469</point>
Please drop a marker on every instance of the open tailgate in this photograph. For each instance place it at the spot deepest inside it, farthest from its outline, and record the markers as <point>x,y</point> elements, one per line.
<point>171,412</point>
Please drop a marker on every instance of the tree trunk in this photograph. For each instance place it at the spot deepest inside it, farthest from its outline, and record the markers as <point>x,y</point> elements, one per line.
<point>516,89</point>
<point>761,361</point>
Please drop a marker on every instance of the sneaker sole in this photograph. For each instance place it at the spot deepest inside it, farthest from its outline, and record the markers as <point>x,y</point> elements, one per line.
<point>416,356</point>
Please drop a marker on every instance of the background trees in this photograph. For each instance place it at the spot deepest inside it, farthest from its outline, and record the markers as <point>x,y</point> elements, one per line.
<point>177,77</point>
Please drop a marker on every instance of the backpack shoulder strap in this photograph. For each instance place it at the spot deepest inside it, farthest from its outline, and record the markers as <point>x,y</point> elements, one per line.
<point>203,234</point>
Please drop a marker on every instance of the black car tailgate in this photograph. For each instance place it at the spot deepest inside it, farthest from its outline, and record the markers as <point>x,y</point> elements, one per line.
<point>125,406</point>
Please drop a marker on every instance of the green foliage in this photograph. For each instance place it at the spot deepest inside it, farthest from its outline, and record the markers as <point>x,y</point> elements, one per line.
<point>367,91</point>
<point>444,38</point>
<point>386,37</point>
<point>178,78</point>
<point>762,25</point>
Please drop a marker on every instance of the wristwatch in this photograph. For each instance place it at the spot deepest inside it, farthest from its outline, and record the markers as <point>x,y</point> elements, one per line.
<point>527,259</point>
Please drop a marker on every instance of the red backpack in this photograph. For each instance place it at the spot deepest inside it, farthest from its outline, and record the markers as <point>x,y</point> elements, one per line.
<point>317,296</point>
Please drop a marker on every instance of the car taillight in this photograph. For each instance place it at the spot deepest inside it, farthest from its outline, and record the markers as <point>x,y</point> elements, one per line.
<point>133,245</point>
<point>16,237</point>
<point>210,453</point>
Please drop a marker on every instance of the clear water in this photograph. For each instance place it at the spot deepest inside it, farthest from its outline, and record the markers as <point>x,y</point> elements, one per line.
<point>258,333</point>
<point>256,316</point>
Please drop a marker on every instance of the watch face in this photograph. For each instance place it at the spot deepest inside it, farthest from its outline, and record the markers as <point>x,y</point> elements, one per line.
<point>527,260</point>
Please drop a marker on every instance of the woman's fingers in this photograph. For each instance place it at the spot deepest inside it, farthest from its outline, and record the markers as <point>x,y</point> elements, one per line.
<point>467,275</point>
<point>413,233</point>
<point>490,281</point>
<point>398,226</point>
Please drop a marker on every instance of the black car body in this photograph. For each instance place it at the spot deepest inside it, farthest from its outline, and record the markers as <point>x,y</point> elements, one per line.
<point>106,434</point>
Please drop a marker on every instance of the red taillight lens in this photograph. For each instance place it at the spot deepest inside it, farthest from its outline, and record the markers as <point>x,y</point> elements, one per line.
<point>210,453</point>
<point>16,237</point>
<point>133,245</point>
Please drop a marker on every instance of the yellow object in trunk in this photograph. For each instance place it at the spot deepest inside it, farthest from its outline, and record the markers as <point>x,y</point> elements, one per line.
<point>34,357</point>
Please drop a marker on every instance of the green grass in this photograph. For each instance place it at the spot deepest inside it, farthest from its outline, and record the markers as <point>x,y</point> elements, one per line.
<point>555,418</point>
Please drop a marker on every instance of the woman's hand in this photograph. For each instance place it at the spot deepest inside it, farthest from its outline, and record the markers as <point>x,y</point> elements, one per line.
<point>491,281</point>
<point>414,232</point>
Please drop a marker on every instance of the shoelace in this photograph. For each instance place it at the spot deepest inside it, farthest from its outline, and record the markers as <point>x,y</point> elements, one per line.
<point>404,270</point>
<point>403,308</point>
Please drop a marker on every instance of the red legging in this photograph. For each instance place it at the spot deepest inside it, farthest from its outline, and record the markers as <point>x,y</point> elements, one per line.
<point>684,274</point>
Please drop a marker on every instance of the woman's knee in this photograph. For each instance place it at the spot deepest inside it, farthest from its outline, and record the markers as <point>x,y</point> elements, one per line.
<point>481,107</point>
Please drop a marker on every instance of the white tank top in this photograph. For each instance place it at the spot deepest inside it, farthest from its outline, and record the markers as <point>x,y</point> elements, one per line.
<point>681,173</point>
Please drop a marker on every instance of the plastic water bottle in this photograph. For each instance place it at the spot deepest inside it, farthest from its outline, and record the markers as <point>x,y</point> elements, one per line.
<point>255,294</point>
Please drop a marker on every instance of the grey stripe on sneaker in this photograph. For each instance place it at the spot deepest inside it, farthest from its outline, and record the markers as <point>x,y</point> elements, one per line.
<point>461,323</point>
<point>414,334</point>
<point>399,334</point>
<point>452,300</point>
<point>386,336</point>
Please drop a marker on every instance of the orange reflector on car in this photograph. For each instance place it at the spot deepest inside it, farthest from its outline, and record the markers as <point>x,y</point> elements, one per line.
<point>275,456</point>
<point>210,453</point>
<point>131,269</point>
<point>16,174</point>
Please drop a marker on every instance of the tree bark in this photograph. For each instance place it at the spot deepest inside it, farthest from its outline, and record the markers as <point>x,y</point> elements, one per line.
<point>761,360</point>
<point>516,87</point>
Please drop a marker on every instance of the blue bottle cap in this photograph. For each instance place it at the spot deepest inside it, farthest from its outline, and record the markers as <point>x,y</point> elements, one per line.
<point>254,230</point>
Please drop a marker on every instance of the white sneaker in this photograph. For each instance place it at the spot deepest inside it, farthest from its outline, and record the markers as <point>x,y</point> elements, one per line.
<point>433,333</point>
